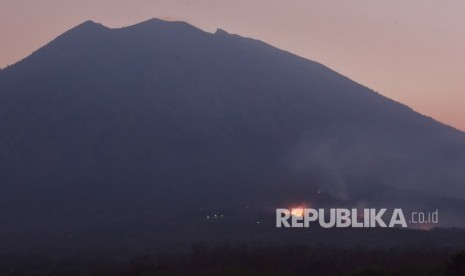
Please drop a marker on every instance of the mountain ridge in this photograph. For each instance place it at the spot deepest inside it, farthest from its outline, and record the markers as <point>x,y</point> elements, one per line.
<point>155,23</point>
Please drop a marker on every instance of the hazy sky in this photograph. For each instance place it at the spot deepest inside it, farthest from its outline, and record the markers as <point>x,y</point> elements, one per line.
<point>412,51</point>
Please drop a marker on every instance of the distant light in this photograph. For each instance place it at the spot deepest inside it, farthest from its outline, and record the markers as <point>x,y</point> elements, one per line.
<point>298,212</point>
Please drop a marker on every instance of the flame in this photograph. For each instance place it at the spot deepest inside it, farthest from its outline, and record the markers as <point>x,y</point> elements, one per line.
<point>297,212</point>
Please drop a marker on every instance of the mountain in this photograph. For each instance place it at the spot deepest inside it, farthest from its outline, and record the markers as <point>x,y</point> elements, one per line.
<point>105,129</point>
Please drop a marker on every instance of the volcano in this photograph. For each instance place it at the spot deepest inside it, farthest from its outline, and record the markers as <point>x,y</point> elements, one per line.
<point>124,128</point>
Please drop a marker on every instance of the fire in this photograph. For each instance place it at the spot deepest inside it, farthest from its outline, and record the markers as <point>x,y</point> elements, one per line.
<point>298,212</point>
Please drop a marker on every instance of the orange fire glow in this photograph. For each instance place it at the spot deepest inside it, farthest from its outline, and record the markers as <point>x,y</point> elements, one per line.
<point>298,211</point>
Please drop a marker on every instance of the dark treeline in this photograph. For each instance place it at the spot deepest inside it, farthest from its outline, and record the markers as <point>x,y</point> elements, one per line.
<point>253,260</point>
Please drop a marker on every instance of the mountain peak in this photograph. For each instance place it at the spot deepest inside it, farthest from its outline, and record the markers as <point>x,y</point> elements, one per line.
<point>79,32</point>
<point>156,23</point>
<point>149,22</point>
<point>89,24</point>
<point>153,20</point>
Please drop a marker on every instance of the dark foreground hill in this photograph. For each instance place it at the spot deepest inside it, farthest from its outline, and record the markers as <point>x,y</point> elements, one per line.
<point>114,130</point>
<point>254,260</point>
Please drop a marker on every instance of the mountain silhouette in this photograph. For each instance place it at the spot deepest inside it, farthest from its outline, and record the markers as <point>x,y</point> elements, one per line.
<point>102,128</point>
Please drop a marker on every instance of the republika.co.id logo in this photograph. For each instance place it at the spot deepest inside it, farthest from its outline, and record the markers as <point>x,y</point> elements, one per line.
<point>355,218</point>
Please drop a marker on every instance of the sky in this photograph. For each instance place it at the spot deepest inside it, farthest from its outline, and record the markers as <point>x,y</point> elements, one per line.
<point>410,51</point>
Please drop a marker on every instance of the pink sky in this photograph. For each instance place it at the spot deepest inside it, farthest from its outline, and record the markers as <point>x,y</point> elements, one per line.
<point>411,51</point>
